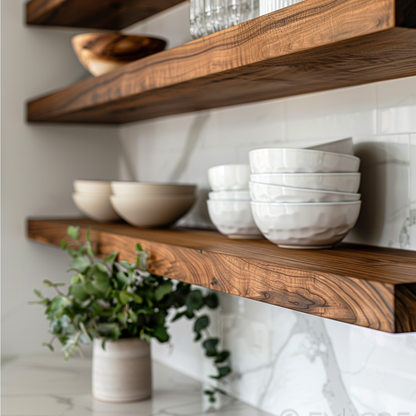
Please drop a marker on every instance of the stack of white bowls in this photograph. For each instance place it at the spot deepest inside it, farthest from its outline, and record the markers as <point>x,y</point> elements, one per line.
<point>229,203</point>
<point>304,198</point>
<point>145,205</point>
<point>93,199</point>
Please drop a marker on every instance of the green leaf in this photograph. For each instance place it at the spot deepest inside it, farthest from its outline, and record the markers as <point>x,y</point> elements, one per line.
<point>110,260</point>
<point>126,296</point>
<point>211,301</point>
<point>51,284</point>
<point>221,357</point>
<point>78,292</point>
<point>38,294</point>
<point>222,372</point>
<point>57,306</point>
<point>122,317</point>
<point>50,346</point>
<point>73,232</point>
<point>161,334</point>
<point>63,244</point>
<point>164,289</point>
<point>178,316</point>
<point>81,263</point>
<point>106,328</point>
<point>210,346</point>
<point>201,323</point>
<point>194,300</point>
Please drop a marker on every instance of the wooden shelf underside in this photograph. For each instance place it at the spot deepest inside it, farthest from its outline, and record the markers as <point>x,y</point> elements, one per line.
<point>311,46</point>
<point>367,286</point>
<point>94,14</point>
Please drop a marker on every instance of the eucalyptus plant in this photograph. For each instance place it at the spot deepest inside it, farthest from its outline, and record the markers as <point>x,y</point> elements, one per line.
<point>113,299</point>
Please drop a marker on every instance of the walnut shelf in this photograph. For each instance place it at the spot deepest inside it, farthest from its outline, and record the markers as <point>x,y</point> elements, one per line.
<point>367,286</point>
<point>311,46</point>
<point>94,14</point>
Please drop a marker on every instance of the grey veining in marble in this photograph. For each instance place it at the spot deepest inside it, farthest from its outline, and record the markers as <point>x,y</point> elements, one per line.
<point>46,385</point>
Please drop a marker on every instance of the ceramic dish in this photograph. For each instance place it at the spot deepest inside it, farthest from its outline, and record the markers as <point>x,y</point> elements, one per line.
<point>92,187</point>
<point>345,146</point>
<point>152,211</point>
<point>305,225</point>
<point>147,189</point>
<point>275,193</point>
<point>301,160</point>
<point>339,182</point>
<point>100,53</point>
<point>233,218</point>
<point>229,177</point>
<point>229,196</point>
<point>96,207</point>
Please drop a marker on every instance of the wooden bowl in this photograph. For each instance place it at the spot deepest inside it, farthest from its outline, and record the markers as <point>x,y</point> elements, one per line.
<point>100,53</point>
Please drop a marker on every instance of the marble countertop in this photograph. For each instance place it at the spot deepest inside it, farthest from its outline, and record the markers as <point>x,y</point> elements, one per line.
<point>46,385</point>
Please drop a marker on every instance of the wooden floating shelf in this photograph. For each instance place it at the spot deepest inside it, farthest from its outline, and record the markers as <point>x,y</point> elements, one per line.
<point>367,286</point>
<point>94,14</point>
<point>311,46</point>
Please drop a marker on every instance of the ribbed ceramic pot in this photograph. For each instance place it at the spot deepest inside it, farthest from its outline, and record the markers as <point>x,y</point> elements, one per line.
<point>121,372</point>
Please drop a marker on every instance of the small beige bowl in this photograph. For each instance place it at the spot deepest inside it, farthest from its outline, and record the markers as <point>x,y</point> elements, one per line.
<point>152,211</point>
<point>96,207</point>
<point>92,187</point>
<point>144,189</point>
<point>100,53</point>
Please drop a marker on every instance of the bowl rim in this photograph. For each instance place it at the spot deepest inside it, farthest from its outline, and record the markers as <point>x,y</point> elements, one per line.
<point>233,165</point>
<point>285,149</point>
<point>228,201</point>
<point>305,189</point>
<point>135,183</point>
<point>155,197</point>
<point>306,203</point>
<point>309,174</point>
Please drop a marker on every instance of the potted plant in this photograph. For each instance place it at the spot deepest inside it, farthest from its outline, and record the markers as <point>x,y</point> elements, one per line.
<point>120,307</point>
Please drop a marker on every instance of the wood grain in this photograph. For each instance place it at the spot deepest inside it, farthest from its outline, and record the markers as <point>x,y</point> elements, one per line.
<point>367,286</point>
<point>94,14</point>
<point>277,55</point>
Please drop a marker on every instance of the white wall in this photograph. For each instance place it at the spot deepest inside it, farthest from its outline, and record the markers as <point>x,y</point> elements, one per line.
<point>39,163</point>
<point>283,359</point>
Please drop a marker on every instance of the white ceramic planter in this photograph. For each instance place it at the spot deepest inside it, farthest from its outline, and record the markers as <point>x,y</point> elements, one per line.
<point>121,372</point>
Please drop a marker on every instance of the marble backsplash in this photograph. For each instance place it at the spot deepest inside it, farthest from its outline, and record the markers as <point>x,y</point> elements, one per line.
<point>285,362</point>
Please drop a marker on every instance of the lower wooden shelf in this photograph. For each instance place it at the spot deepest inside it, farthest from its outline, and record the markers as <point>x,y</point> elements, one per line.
<point>367,286</point>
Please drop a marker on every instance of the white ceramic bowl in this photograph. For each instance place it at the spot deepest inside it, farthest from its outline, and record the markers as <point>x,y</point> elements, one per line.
<point>230,195</point>
<point>301,160</point>
<point>339,182</point>
<point>96,207</point>
<point>92,187</point>
<point>262,192</point>
<point>140,189</point>
<point>305,225</point>
<point>229,177</point>
<point>233,218</point>
<point>152,211</point>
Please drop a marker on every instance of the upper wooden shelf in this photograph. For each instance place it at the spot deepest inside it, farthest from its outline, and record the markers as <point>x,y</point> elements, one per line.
<point>311,46</point>
<point>367,286</point>
<point>94,14</point>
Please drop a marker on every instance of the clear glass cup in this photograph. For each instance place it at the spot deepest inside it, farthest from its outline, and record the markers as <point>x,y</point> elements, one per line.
<point>215,15</point>
<point>197,19</point>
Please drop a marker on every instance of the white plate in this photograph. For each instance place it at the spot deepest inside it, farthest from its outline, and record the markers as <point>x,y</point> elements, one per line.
<point>339,182</point>
<point>305,225</point>
<point>275,193</point>
<point>233,218</point>
<point>301,160</point>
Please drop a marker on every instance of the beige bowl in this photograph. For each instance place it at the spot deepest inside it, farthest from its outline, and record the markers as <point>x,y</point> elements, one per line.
<point>92,187</point>
<point>143,189</point>
<point>152,211</point>
<point>100,53</point>
<point>96,207</point>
